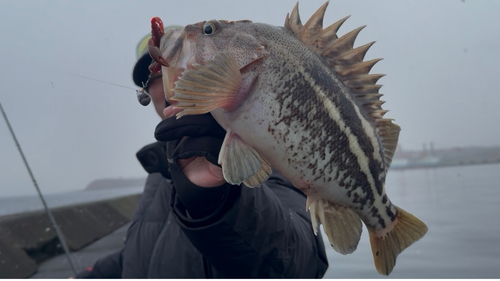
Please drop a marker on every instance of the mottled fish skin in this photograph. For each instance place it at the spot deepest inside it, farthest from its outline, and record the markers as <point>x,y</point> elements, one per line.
<point>302,119</point>
<point>299,115</point>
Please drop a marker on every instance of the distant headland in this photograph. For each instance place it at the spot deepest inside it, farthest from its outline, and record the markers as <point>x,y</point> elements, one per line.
<point>115,183</point>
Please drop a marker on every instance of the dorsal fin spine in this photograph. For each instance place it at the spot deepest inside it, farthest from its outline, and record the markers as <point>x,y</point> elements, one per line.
<point>358,68</point>
<point>355,55</point>
<point>348,64</point>
<point>293,22</point>
<point>342,44</point>
<point>314,26</point>
<point>329,34</point>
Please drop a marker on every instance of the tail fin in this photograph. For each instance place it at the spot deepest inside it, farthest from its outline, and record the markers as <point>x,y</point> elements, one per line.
<point>385,249</point>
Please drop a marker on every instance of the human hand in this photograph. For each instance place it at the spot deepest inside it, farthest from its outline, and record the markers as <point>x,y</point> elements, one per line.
<point>201,172</point>
<point>193,143</point>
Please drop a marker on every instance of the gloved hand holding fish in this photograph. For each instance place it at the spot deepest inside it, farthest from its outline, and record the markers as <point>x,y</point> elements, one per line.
<point>299,99</point>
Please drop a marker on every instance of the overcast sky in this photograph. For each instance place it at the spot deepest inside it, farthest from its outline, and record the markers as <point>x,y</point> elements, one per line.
<point>440,57</point>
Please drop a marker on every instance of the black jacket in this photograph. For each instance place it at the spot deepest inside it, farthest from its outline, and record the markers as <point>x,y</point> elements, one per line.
<point>254,232</point>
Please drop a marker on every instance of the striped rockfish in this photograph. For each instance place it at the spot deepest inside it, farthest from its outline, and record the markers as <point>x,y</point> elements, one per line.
<point>299,99</point>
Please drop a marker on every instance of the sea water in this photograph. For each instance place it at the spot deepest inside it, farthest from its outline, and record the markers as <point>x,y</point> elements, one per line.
<point>461,207</point>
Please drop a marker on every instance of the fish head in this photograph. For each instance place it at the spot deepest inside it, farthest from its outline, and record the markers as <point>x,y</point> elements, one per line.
<point>198,43</point>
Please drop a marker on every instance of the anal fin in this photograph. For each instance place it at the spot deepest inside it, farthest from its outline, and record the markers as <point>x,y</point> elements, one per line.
<point>242,163</point>
<point>341,224</point>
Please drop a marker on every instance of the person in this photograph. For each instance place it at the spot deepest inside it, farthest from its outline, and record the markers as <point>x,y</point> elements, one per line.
<point>190,223</point>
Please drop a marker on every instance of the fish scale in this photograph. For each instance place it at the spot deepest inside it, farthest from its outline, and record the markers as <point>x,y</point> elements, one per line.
<point>299,99</point>
<point>315,132</point>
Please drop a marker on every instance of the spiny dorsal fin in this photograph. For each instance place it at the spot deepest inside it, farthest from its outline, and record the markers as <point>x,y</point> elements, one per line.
<point>314,26</point>
<point>348,63</point>
<point>330,33</point>
<point>293,22</point>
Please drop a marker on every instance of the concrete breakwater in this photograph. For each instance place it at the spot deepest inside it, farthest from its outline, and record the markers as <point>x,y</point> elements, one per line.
<point>28,239</point>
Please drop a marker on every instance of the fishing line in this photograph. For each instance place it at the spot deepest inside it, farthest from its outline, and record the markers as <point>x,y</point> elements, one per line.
<point>49,214</point>
<point>142,96</point>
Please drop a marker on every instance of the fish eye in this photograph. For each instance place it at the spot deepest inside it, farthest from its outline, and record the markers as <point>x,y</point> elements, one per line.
<point>208,28</point>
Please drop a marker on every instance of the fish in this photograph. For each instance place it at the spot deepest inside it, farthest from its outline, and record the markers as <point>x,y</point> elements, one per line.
<point>300,99</point>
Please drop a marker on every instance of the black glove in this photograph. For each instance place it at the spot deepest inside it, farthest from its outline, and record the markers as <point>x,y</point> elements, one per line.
<point>190,126</point>
<point>204,139</point>
<point>153,160</point>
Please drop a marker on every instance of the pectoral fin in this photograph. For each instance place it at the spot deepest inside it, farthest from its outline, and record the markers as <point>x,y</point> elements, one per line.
<point>241,163</point>
<point>207,87</point>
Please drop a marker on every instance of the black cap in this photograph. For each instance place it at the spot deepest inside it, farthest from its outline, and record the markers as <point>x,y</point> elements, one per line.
<point>140,73</point>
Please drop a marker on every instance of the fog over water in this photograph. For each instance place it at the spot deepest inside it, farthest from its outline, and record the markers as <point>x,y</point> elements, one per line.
<point>440,57</point>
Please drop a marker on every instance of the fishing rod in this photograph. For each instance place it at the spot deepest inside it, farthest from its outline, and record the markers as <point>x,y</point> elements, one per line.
<point>49,213</point>
<point>142,95</point>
